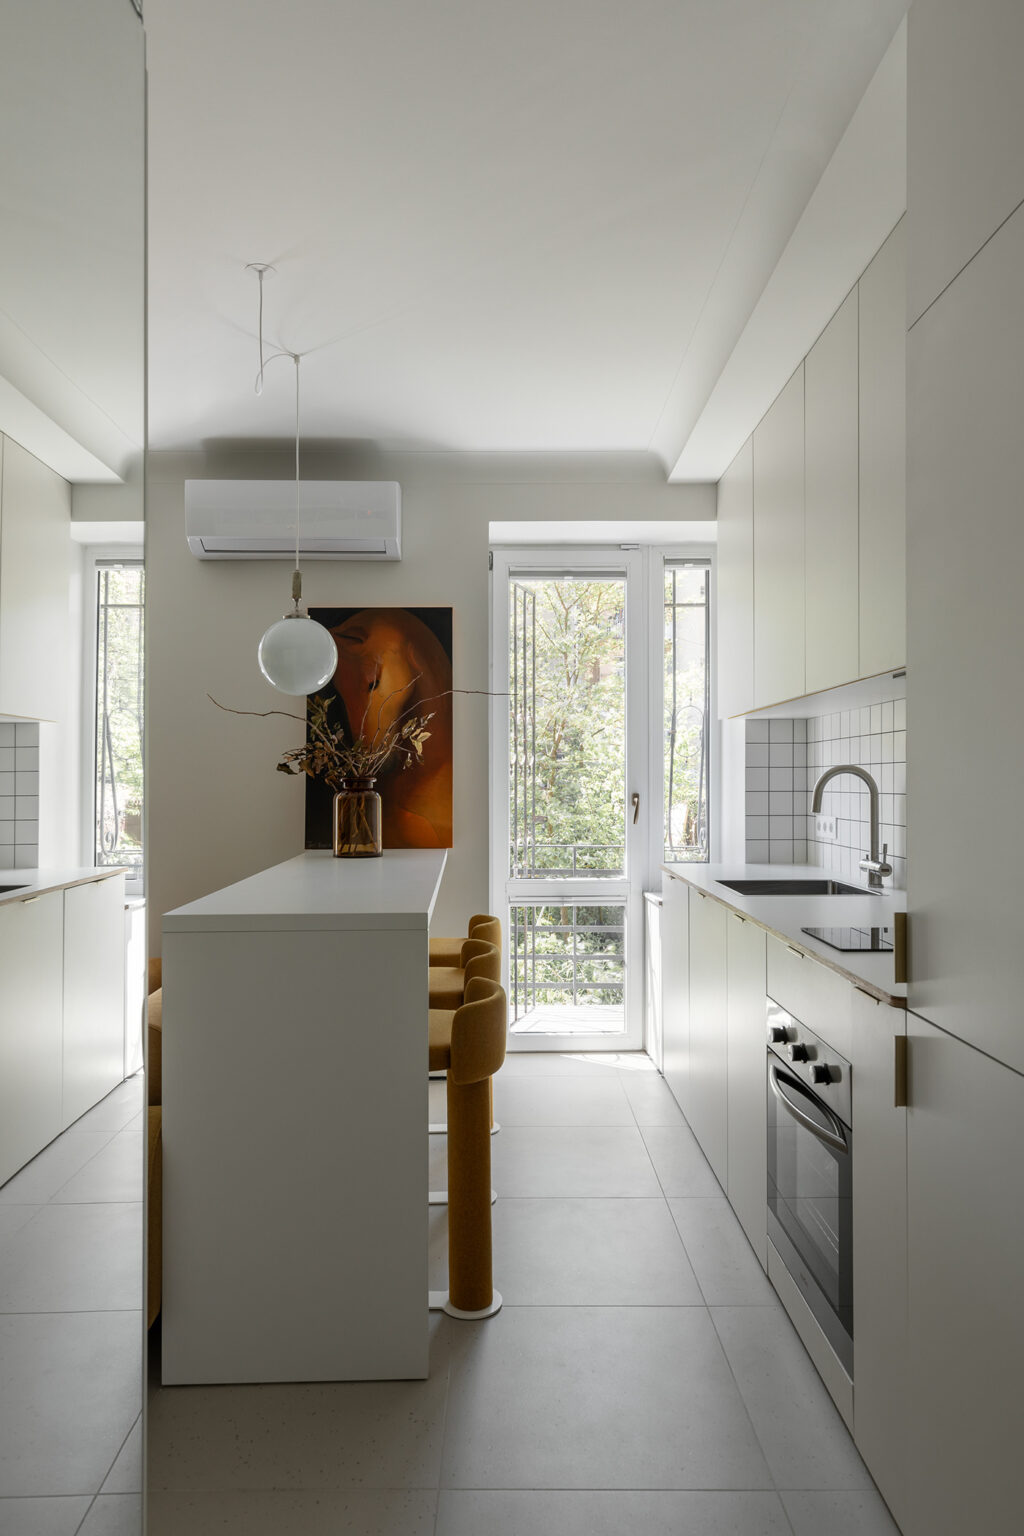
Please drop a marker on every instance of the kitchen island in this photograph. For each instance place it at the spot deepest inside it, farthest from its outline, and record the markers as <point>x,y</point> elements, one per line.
<point>294,1123</point>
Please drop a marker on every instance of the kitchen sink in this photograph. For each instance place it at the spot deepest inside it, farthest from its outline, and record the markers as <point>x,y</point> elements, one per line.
<point>791,887</point>
<point>5,888</point>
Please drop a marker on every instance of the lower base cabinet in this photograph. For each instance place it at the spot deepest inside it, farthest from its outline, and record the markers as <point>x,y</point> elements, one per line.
<point>93,1047</point>
<point>965,1143</point>
<point>747,1116</point>
<point>880,1246</point>
<point>675,988</point>
<point>707,1103</point>
<point>30,1028</point>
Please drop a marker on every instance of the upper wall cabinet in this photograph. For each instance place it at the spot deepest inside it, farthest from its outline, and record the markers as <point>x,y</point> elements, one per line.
<point>779,548</point>
<point>811,555</point>
<point>830,480</point>
<point>883,459</point>
<point>35,555</point>
<point>736,585</point>
<point>966,112</point>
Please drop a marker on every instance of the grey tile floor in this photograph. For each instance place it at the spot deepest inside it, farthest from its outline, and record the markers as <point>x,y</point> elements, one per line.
<point>71,1330</point>
<point>641,1375</point>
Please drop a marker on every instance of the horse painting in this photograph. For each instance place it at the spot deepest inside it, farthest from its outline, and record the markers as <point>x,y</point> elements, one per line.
<point>394,662</point>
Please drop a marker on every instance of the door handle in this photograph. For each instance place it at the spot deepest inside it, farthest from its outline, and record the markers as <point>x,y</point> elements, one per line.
<point>635,801</point>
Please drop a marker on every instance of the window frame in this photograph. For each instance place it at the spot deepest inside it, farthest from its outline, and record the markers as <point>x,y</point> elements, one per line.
<point>658,557</point>
<point>94,556</point>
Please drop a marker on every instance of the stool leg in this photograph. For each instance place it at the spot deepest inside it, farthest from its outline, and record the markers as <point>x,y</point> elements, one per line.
<point>470,1283</point>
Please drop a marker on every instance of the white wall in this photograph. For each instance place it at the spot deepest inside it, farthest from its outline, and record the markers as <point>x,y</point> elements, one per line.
<point>217,809</point>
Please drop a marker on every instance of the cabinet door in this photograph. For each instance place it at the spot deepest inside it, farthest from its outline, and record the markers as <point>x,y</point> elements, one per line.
<point>746,1113</point>
<point>830,505</point>
<point>93,1055</point>
<point>779,548</point>
<point>883,459</point>
<point>30,1002</point>
<point>707,1091</point>
<point>879,1247</point>
<point>35,555</point>
<point>675,995</point>
<point>965,1142</point>
<point>965,555</point>
<point>965,173</point>
<point>736,585</point>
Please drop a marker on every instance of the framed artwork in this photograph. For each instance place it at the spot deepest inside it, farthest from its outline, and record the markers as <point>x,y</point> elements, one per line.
<point>393,661</point>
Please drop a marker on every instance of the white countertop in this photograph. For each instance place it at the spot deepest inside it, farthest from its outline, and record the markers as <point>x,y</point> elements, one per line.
<point>784,916</point>
<point>318,891</point>
<point>36,882</point>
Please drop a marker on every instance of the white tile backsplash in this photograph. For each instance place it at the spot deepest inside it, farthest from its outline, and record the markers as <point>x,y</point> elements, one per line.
<point>19,796</point>
<point>780,828</point>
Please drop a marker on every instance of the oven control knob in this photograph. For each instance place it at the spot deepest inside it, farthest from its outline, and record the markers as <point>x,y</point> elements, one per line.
<point>798,1052</point>
<point>821,1074</point>
<point>777,1034</point>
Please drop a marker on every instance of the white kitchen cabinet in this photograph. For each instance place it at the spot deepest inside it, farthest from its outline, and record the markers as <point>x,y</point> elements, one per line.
<point>675,994</point>
<point>965,555</point>
<point>706,1105</point>
<point>35,555</point>
<point>30,1015</point>
<point>93,1043</point>
<point>778,447</point>
<point>880,1335</point>
<point>746,1119</point>
<point>883,459</point>
<point>965,1141</point>
<point>735,586</point>
<point>831,503</point>
<point>965,172</point>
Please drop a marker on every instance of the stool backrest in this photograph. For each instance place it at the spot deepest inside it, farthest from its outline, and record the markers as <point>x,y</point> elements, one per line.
<point>479,1030</point>
<point>480,959</point>
<point>484,926</point>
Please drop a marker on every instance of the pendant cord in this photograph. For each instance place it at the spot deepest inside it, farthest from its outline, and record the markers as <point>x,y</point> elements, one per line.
<point>297,584</point>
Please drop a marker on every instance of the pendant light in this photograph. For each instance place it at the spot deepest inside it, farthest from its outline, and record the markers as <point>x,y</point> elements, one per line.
<point>297,655</point>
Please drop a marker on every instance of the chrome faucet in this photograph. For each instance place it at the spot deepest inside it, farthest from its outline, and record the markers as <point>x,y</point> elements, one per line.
<point>875,866</point>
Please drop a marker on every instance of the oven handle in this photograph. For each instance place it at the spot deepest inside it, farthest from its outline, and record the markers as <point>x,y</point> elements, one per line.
<point>836,1140</point>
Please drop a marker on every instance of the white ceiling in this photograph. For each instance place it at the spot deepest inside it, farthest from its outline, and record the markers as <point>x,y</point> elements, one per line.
<point>496,226</point>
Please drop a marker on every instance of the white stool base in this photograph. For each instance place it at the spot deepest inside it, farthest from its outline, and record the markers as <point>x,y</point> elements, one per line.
<point>440,1128</point>
<point>440,1197</point>
<point>438,1302</point>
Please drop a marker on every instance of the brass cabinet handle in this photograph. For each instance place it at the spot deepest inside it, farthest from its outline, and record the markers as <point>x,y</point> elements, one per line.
<point>794,951</point>
<point>899,954</point>
<point>901,1060</point>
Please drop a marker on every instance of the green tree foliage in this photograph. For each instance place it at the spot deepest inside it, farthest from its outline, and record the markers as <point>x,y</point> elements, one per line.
<point>119,703</point>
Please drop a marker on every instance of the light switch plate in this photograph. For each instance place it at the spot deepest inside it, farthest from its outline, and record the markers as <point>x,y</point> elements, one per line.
<point>827,828</point>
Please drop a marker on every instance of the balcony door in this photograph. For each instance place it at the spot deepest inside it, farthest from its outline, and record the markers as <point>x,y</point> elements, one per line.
<point>570,798</point>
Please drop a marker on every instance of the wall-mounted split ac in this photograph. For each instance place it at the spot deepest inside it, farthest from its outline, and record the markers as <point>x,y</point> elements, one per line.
<point>255,519</point>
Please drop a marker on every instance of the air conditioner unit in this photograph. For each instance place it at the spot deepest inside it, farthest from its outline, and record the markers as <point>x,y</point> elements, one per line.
<point>255,519</point>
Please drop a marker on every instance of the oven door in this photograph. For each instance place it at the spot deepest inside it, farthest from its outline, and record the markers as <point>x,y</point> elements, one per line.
<point>810,1214</point>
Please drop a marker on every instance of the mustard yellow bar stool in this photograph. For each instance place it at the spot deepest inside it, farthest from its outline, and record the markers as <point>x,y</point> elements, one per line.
<point>470,1046</point>
<point>480,926</point>
<point>480,959</point>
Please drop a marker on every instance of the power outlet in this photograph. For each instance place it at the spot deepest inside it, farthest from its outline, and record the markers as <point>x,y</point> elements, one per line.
<point>826,828</point>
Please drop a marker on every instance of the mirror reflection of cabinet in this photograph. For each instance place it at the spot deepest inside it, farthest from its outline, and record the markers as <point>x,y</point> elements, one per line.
<point>72,415</point>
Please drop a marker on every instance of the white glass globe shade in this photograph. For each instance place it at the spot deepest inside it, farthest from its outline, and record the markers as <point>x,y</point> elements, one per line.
<point>297,654</point>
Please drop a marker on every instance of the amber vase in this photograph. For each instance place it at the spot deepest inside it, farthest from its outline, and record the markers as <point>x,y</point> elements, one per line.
<point>357,821</point>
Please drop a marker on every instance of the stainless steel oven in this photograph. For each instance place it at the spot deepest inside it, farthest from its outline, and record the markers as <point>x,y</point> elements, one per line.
<point>810,1160</point>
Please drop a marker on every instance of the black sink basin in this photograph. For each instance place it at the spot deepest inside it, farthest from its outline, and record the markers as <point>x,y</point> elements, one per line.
<point>791,887</point>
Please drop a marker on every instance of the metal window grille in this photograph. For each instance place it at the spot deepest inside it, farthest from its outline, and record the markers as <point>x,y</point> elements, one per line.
<point>118,819</point>
<point>567,955</point>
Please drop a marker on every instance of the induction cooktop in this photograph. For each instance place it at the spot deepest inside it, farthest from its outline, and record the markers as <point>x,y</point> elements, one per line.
<point>850,939</point>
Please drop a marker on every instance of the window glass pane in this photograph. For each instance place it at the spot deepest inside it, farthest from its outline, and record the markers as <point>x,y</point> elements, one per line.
<point>567,967</point>
<point>118,821</point>
<point>686,631</point>
<point>567,703</point>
